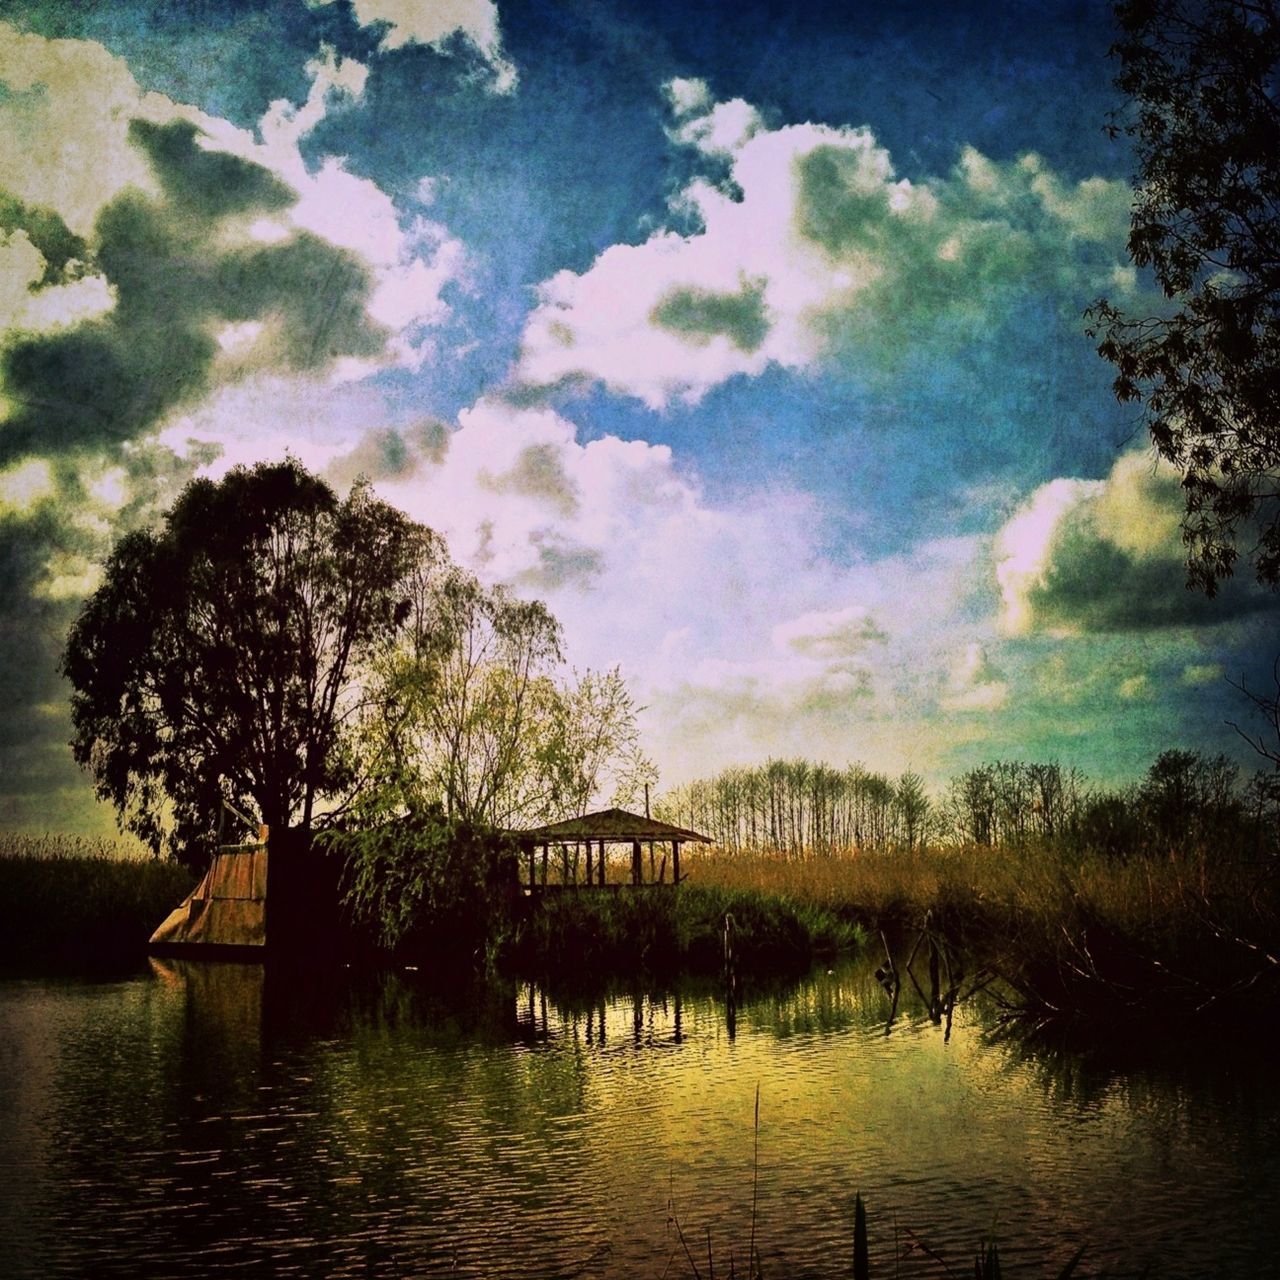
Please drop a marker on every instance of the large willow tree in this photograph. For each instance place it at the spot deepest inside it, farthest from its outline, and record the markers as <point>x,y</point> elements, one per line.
<point>216,660</point>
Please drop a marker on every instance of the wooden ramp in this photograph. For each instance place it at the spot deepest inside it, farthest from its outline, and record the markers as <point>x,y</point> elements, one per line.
<point>226,913</point>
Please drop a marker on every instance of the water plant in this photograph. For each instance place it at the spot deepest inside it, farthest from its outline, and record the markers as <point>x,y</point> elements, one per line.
<point>76,903</point>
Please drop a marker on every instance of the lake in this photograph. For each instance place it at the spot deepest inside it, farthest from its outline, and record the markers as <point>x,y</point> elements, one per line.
<point>195,1119</point>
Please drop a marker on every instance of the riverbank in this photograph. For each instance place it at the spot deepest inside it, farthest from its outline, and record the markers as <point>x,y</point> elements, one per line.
<point>70,905</point>
<point>1164,937</point>
<point>1181,939</point>
<point>662,931</point>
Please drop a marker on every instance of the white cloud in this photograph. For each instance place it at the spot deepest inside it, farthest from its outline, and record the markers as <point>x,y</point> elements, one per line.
<point>434,23</point>
<point>837,633</point>
<point>1086,556</point>
<point>64,146</point>
<point>815,248</point>
<point>25,485</point>
<point>64,122</point>
<point>974,682</point>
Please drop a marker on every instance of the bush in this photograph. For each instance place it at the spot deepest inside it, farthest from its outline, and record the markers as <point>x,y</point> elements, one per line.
<point>426,886</point>
<point>662,931</point>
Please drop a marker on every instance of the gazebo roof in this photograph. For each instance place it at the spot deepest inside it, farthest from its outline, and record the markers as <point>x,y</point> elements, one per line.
<point>614,824</point>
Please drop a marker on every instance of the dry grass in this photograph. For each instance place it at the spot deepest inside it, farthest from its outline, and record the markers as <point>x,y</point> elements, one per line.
<point>1074,933</point>
<point>22,844</point>
<point>69,902</point>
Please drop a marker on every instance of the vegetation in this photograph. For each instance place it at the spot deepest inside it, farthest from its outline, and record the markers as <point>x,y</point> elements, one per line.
<point>796,807</point>
<point>320,662</point>
<point>471,710</point>
<point>1200,77</point>
<point>662,932</point>
<point>430,887</point>
<point>80,904</point>
<point>214,662</point>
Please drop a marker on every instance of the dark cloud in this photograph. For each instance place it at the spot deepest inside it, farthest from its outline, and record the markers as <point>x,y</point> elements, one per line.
<point>211,184</point>
<point>1112,561</point>
<point>698,315</point>
<point>955,263</point>
<point>63,251</point>
<point>538,473</point>
<point>390,454</point>
<point>95,385</point>
<point>1093,585</point>
<point>561,563</point>
<point>38,545</point>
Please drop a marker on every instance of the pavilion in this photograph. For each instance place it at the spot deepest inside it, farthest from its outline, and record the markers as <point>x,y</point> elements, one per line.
<point>599,830</point>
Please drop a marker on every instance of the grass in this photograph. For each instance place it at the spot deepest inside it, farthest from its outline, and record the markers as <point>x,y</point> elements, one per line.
<point>1075,934</point>
<point>661,931</point>
<point>71,904</point>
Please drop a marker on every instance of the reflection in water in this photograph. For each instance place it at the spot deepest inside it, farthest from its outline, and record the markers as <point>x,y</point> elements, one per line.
<point>205,1117</point>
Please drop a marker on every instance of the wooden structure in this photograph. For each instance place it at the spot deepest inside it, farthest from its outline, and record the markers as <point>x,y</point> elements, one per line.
<point>257,899</point>
<point>227,911</point>
<point>596,831</point>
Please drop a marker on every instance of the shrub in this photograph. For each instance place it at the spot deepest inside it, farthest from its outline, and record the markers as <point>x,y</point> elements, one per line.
<point>425,884</point>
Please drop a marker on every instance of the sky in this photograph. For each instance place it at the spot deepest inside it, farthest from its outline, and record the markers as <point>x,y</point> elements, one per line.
<point>748,336</point>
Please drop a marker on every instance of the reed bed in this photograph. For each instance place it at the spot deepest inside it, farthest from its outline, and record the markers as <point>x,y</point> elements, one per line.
<point>1075,934</point>
<point>71,903</point>
<point>695,928</point>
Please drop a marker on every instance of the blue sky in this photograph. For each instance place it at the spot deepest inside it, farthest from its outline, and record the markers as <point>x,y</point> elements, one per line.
<point>749,336</point>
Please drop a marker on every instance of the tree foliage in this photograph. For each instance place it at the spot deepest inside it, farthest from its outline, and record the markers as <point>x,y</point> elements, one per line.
<point>472,712</point>
<point>799,807</point>
<point>424,883</point>
<point>215,661</point>
<point>1201,79</point>
<point>1185,801</point>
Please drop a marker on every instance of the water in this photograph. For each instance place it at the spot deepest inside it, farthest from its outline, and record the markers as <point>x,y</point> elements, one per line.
<point>198,1119</point>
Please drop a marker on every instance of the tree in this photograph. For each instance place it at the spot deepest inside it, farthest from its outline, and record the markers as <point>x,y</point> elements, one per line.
<point>470,712</point>
<point>595,740</point>
<point>464,702</point>
<point>1201,77</point>
<point>216,660</point>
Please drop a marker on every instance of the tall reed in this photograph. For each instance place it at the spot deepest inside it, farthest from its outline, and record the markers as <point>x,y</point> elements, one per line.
<point>72,903</point>
<point>1076,933</point>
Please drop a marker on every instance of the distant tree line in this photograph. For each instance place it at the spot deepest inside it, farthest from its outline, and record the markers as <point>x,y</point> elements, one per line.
<point>796,807</point>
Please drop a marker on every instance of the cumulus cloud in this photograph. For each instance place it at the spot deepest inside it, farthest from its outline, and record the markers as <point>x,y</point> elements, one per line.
<point>1086,556</point>
<point>152,258</point>
<point>205,255</point>
<point>974,682</point>
<point>435,23</point>
<point>813,247</point>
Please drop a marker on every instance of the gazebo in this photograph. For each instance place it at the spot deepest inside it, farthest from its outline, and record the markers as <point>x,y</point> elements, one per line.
<point>599,830</point>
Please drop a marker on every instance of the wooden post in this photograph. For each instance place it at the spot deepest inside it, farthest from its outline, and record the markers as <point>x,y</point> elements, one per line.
<point>675,862</point>
<point>602,862</point>
<point>545,850</point>
<point>590,882</point>
<point>637,866</point>
<point>532,879</point>
<point>653,874</point>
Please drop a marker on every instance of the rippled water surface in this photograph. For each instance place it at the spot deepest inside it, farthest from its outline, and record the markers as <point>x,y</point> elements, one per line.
<point>201,1118</point>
